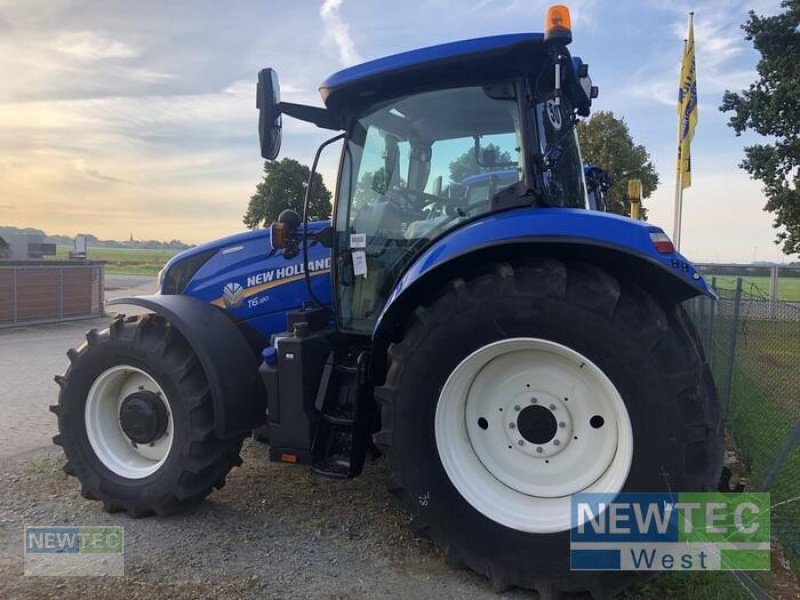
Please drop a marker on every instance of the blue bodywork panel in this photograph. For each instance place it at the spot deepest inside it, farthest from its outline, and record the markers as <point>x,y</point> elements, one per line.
<point>551,225</point>
<point>262,286</point>
<point>461,50</point>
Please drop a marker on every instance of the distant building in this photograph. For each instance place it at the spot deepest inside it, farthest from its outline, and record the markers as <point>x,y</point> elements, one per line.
<point>25,246</point>
<point>5,249</point>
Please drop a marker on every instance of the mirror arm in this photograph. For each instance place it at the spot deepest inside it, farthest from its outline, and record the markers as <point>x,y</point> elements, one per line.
<point>320,117</point>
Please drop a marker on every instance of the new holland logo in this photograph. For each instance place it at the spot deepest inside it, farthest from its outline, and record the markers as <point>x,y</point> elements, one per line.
<point>233,295</point>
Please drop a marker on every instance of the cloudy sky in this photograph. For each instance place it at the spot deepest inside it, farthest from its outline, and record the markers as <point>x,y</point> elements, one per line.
<point>121,117</point>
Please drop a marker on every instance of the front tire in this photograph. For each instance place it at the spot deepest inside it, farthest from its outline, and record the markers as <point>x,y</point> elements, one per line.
<point>588,346</point>
<point>136,421</point>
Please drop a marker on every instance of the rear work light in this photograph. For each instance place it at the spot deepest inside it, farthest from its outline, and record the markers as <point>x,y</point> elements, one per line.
<point>661,242</point>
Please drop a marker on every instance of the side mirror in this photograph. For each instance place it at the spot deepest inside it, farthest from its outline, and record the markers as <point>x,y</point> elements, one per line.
<point>268,98</point>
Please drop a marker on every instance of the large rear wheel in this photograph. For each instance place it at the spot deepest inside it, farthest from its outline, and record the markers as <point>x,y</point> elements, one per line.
<point>523,384</point>
<point>136,421</point>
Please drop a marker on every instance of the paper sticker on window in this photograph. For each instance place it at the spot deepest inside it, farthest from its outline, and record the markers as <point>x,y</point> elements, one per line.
<point>358,240</point>
<point>360,263</point>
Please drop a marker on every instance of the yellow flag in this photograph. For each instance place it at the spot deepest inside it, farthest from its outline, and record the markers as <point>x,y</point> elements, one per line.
<point>687,109</point>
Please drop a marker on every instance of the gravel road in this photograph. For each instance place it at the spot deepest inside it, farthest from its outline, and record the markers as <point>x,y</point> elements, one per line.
<point>274,531</point>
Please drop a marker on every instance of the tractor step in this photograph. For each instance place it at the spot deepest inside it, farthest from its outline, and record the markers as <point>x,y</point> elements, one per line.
<point>336,451</point>
<point>342,436</point>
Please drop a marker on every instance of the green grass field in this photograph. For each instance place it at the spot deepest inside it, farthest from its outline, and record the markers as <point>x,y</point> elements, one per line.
<point>125,261</point>
<point>788,287</point>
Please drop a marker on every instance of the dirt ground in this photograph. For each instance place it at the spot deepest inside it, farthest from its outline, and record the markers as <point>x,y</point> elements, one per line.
<point>274,531</point>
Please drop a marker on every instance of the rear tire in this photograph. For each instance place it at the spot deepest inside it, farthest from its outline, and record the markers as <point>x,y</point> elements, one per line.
<point>645,350</point>
<point>147,354</point>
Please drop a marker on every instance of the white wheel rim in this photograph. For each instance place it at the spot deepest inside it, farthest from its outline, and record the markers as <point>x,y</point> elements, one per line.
<point>115,449</point>
<point>523,484</point>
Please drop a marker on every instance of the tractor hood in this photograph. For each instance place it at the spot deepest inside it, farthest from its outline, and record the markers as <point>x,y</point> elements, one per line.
<point>243,275</point>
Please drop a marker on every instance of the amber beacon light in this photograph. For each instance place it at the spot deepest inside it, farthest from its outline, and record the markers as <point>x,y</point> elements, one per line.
<point>557,25</point>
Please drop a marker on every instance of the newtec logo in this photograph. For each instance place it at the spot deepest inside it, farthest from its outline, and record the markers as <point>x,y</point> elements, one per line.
<point>62,551</point>
<point>105,540</point>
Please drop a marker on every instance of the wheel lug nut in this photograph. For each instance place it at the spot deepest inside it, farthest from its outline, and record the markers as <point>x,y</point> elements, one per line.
<point>516,407</point>
<point>141,388</point>
<point>562,424</point>
<point>556,443</point>
<point>539,449</point>
<point>534,400</point>
<point>521,442</point>
<point>512,425</point>
<point>552,407</point>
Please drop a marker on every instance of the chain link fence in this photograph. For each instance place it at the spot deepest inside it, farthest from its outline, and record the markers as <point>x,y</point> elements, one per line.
<point>752,342</point>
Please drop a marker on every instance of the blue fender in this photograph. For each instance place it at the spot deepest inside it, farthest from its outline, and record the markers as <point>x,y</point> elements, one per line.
<point>618,243</point>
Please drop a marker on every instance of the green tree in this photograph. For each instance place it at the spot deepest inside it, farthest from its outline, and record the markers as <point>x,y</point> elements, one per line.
<point>606,142</point>
<point>466,165</point>
<point>771,107</point>
<point>284,186</point>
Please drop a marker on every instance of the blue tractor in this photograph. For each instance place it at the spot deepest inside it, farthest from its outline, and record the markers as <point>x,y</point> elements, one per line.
<point>503,345</point>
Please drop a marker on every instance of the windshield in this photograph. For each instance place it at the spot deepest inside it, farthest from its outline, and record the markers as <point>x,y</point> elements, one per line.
<point>412,169</point>
<point>563,167</point>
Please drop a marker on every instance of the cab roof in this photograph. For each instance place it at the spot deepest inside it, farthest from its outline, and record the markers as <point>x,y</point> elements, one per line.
<point>465,61</point>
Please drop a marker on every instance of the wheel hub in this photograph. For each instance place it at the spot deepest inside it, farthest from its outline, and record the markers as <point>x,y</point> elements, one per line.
<point>542,428</point>
<point>537,424</point>
<point>129,421</point>
<point>143,417</point>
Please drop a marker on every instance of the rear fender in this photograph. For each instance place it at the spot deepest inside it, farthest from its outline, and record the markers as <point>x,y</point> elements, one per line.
<point>621,245</point>
<point>229,362</point>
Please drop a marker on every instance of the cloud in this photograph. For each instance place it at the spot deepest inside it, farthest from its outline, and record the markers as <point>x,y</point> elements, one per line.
<point>80,165</point>
<point>338,31</point>
<point>91,46</point>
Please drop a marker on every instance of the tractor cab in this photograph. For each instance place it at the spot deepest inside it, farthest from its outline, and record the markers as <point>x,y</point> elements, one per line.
<point>389,204</point>
<point>435,139</point>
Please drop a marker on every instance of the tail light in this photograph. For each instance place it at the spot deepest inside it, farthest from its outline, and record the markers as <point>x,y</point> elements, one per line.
<point>661,242</point>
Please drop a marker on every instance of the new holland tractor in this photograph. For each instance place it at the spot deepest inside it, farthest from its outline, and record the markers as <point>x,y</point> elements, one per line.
<point>503,345</point>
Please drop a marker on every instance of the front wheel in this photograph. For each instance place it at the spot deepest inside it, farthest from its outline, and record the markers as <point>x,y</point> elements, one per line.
<point>136,421</point>
<point>521,385</point>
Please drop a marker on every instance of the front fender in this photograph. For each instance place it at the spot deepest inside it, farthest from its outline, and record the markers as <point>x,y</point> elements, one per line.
<point>618,243</point>
<point>230,365</point>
